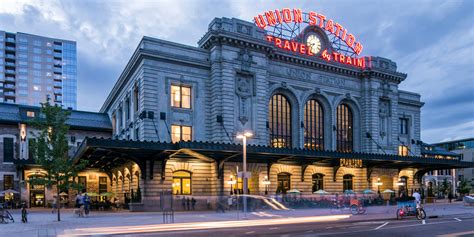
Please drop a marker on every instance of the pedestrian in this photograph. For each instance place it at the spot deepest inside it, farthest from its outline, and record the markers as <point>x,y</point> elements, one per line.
<point>183,203</point>
<point>193,203</point>
<point>188,202</point>
<point>87,202</point>
<point>24,214</point>
<point>450,196</point>
<point>54,205</point>
<point>208,204</point>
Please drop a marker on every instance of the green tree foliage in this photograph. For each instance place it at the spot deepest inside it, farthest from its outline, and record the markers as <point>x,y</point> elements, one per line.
<point>443,187</point>
<point>464,187</point>
<point>50,151</point>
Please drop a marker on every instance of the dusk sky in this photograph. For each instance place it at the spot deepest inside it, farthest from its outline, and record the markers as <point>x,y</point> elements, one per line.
<point>431,41</point>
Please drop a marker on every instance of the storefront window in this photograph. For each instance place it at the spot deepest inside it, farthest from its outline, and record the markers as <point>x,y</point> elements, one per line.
<point>181,133</point>
<point>344,128</point>
<point>284,183</point>
<point>82,180</point>
<point>347,182</point>
<point>102,185</point>
<point>181,183</point>
<point>317,182</point>
<point>7,182</point>
<point>313,126</point>
<point>279,118</point>
<point>181,97</point>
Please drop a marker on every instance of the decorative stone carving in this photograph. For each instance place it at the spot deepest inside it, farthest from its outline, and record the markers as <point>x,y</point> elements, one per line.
<point>332,81</point>
<point>245,59</point>
<point>298,74</point>
<point>244,89</point>
<point>384,115</point>
<point>317,91</point>
<point>243,29</point>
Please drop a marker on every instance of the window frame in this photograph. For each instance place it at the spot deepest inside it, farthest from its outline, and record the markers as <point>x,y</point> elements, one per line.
<point>181,178</point>
<point>317,181</point>
<point>181,132</point>
<point>12,181</point>
<point>313,125</point>
<point>346,181</point>
<point>180,106</point>
<point>344,128</point>
<point>404,128</point>
<point>280,121</point>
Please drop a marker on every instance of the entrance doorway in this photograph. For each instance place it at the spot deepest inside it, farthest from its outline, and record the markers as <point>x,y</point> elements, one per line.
<point>284,183</point>
<point>37,197</point>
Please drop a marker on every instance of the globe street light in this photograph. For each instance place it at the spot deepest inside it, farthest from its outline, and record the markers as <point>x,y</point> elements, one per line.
<point>378,183</point>
<point>266,182</point>
<point>244,137</point>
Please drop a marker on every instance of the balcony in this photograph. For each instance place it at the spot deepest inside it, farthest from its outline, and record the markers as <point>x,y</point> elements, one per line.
<point>10,64</point>
<point>9,78</point>
<point>9,87</point>
<point>11,40</point>
<point>9,48</point>
<point>9,71</point>
<point>9,94</point>
<point>11,56</point>
<point>58,47</point>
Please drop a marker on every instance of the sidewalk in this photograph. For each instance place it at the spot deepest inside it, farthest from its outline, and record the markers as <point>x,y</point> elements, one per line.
<point>43,223</point>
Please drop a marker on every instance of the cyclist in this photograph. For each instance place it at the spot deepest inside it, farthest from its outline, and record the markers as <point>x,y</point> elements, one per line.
<point>417,197</point>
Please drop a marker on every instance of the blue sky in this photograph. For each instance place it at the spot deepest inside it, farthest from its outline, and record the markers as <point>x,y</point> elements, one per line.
<point>432,41</point>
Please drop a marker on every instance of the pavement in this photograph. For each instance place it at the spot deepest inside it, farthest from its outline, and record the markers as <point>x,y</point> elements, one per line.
<point>43,223</point>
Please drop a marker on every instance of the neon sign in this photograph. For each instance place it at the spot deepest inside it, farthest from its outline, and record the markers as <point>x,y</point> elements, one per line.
<point>284,36</point>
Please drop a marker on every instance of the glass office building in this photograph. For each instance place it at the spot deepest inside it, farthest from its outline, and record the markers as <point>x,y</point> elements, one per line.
<point>33,68</point>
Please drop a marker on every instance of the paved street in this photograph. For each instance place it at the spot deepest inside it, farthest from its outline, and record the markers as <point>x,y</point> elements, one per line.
<point>271,223</point>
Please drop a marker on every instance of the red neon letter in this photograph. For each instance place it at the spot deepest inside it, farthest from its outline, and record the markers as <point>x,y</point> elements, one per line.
<point>278,42</point>
<point>294,46</point>
<point>297,16</point>
<point>259,21</point>
<point>312,18</point>
<point>302,49</point>
<point>338,29</point>
<point>343,34</point>
<point>350,40</point>
<point>330,26</point>
<point>278,15</point>
<point>361,62</point>
<point>286,12</point>
<point>287,45</point>
<point>336,56</point>
<point>358,48</point>
<point>341,58</point>
<point>321,19</point>
<point>269,38</point>
<point>270,18</point>
<point>349,60</point>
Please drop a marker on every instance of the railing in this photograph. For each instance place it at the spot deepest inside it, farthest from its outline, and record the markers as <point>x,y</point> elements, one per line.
<point>10,48</point>
<point>11,40</point>
<point>10,56</point>
<point>9,78</point>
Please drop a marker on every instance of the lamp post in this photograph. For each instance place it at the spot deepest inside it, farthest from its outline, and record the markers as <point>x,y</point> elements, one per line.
<point>244,137</point>
<point>231,182</point>
<point>378,183</point>
<point>266,182</point>
<point>399,183</point>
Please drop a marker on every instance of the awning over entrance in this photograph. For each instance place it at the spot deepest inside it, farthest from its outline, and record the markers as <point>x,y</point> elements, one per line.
<point>106,154</point>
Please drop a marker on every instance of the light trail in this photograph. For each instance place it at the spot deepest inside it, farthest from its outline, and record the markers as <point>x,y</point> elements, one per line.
<point>198,225</point>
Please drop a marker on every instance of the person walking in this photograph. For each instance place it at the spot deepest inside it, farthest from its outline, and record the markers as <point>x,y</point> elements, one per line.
<point>183,203</point>
<point>450,196</point>
<point>193,203</point>
<point>87,202</point>
<point>24,214</point>
<point>54,204</point>
<point>188,202</point>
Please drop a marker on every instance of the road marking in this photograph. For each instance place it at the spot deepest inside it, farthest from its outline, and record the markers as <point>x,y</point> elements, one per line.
<point>423,222</point>
<point>457,219</point>
<point>384,224</point>
<point>309,231</point>
<point>250,232</point>
<point>274,228</point>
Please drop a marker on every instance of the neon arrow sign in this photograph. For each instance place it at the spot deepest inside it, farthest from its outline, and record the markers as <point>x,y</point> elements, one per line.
<point>286,38</point>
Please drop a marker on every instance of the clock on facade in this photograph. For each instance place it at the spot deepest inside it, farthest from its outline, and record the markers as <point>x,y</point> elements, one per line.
<point>314,43</point>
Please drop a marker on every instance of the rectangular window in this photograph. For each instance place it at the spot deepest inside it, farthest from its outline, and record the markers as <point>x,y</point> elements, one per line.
<point>135,100</point>
<point>403,126</point>
<point>30,114</point>
<point>8,149</point>
<point>114,123</point>
<point>181,133</point>
<point>402,150</point>
<point>7,181</point>
<point>181,97</point>
<point>82,180</point>
<point>102,185</point>
<point>127,109</point>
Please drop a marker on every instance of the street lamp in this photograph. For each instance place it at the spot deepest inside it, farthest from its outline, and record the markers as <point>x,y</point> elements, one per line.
<point>244,137</point>
<point>266,182</point>
<point>231,182</point>
<point>378,183</point>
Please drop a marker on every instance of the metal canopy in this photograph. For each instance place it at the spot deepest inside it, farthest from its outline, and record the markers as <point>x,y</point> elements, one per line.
<point>106,154</point>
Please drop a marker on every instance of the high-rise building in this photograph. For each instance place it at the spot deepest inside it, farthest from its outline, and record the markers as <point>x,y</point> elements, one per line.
<point>34,67</point>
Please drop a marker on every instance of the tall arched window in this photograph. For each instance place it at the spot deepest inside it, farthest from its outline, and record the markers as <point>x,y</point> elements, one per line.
<point>317,182</point>
<point>313,125</point>
<point>279,118</point>
<point>344,128</point>
<point>181,183</point>
<point>347,182</point>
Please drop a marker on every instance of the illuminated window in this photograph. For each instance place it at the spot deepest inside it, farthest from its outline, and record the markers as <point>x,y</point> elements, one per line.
<point>347,182</point>
<point>403,126</point>
<point>181,133</point>
<point>181,97</point>
<point>318,182</point>
<point>402,150</point>
<point>7,182</point>
<point>344,128</point>
<point>30,114</point>
<point>313,125</point>
<point>181,183</point>
<point>279,118</point>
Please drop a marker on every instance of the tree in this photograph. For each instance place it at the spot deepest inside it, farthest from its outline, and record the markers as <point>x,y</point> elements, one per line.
<point>443,187</point>
<point>50,151</point>
<point>464,187</point>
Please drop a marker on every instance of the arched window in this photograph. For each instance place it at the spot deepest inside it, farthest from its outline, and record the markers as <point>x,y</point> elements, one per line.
<point>181,183</point>
<point>313,125</point>
<point>284,183</point>
<point>279,118</point>
<point>318,182</point>
<point>344,128</point>
<point>347,182</point>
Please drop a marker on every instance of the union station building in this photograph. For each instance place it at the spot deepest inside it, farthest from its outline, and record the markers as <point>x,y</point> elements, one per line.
<point>171,121</point>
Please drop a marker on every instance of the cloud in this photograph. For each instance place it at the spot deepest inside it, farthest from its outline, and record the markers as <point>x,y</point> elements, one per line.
<point>430,40</point>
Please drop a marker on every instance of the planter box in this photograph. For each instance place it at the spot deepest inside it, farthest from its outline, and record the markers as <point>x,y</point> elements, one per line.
<point>134,207</point>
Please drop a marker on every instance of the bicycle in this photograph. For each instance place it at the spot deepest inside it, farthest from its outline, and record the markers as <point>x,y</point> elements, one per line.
<point>357,207</point>
<point>6,217</point>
